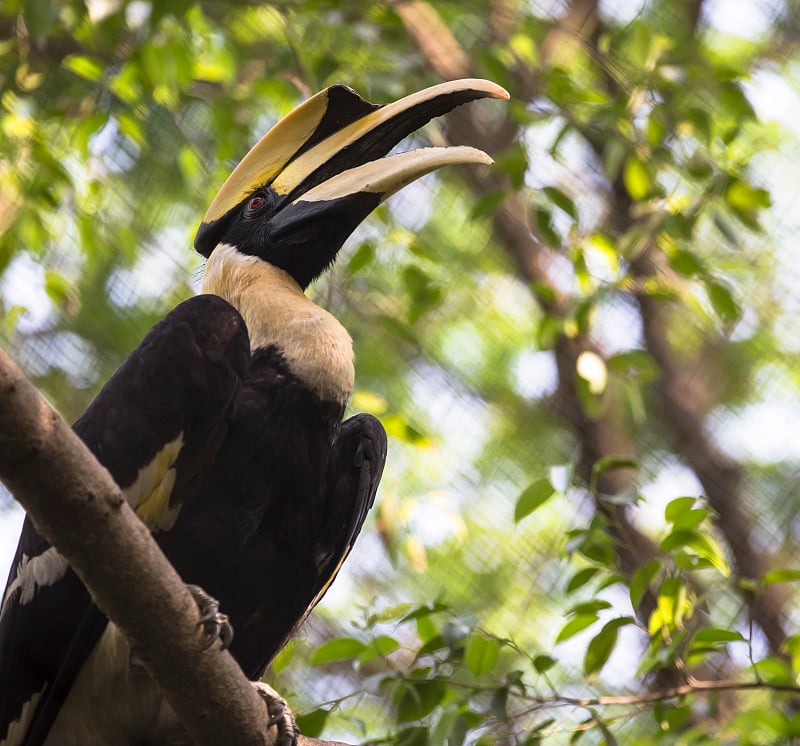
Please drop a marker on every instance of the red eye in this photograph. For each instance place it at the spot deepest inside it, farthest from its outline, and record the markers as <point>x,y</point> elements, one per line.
<point>256,202</point>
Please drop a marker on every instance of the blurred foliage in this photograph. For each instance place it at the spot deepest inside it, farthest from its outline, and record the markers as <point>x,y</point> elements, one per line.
<point>494,606</point>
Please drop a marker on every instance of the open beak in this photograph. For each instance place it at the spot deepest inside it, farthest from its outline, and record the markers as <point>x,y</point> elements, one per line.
<point>325,161</point>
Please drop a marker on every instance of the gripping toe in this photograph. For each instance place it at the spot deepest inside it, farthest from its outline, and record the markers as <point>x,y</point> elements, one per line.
<point>215,624</point>
<point>279,715</point>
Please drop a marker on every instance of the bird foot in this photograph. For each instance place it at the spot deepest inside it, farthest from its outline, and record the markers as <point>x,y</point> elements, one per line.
<point>215,624</point>
<point>279,715</point>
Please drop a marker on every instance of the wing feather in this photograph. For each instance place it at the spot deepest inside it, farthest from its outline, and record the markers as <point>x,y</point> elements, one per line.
<point>359,455</point>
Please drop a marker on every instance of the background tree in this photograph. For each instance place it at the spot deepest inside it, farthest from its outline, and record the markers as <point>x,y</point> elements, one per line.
<point>586,358</point>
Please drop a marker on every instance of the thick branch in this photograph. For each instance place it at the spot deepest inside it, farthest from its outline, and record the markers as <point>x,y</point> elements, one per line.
<point>75,504</point>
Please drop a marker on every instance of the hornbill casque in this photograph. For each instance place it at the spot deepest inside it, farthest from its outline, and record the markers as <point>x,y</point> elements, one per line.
<point>224,429</point>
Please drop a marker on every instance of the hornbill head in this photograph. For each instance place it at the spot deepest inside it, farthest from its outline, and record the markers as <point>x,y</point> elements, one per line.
<point>305,186</point>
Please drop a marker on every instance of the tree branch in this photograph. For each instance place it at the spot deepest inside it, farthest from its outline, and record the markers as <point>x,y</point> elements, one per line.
<point>692,686</point>
<point>77,507</point>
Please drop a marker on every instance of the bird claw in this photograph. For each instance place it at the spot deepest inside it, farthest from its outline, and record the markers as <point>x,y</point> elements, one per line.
<point>279,715</point>
<point>215,624</point>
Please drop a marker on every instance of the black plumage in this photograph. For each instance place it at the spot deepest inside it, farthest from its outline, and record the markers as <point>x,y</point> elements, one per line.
<point>304,476</point>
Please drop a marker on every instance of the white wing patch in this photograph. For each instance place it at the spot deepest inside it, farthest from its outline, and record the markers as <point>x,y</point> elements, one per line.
<point>34,573</point>
<point>150,492</point>
<point>148,496</point>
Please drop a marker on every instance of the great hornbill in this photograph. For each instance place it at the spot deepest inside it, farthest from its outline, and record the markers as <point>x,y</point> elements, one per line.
<point>224,427</point>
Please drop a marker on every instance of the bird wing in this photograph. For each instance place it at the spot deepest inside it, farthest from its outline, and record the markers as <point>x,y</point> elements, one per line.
<point>356,469</point>
<point>156,424</point>
<point>358,457</point>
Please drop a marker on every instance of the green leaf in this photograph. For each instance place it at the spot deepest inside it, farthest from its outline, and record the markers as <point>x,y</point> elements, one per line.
<point>683,514</point>
<point>576,624</point>
<point>590,607</point>
<point>40,16</point>
<point>717,634</point>
<point>735,102</point>
<point>780,576</point>
<point>602,645</point>
<point>743,196</point>
<point>634,364</point>
<point>641,580</point>
<point>613,157</point>
<point>444,726</point>
<point>481,654</point>
<point>284,657</point>
<point>499,704</point>
<point>701,544</point>
<point>339,649</point>
<point>691,519</point>
<point>397,426</point>
<point>132,129</point>
<point>418,698</point>
<point>722,300</point>
<point>533,497</point>
<point>562,201</point>
<point>544,228</point>
<point>361,257</point>
<point>637,179</point>
<point>424,250</point>
<point>417,736</point>
<point>190,165</point>
<point>674,605</point>
<point>611,579</point>
<point>700,166</point>
<point>86,67</point>
<point>725,228</point>
<point>427,629</point>
<point>669,717</point>
<point>487,205</point>
<point>514,161</point>
<point>437,642</point>
<point>581,578</point>
<point>543,663</point>
<point>434,607</point>
<point>378,647</point>
<point>312,723</point>
<point>657,125</point>
<point>422,291</point>
<point>775,671</point>
<point>686,262</point>
<point>700,120</point>
<point>675,508</point>
<point>390,613</point>
<point>58,288</point>
<point>548,331</point>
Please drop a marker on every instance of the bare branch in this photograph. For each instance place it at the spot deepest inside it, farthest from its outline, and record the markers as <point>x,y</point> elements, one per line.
<point>692,686</point>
